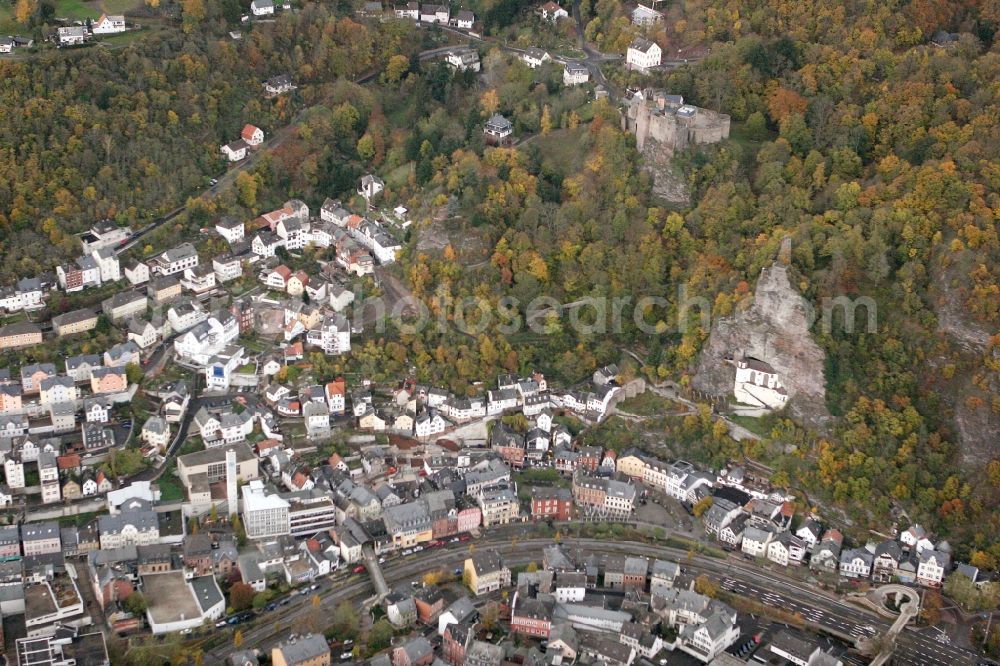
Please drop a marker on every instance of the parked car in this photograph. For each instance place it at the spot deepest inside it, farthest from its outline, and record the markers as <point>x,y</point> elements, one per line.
<point>359,569</point>
<point>407,552</point>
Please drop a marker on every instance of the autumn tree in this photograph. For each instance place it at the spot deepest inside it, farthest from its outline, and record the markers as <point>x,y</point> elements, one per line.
<point>704,585</point>
<point>395,68</point>
<point>489,102</point>
<point>246,189</point>
<point>783,102</point>
<point>545,124</point>
<point>701,506</point>
<point>241,597</point>
<point>24,10</point>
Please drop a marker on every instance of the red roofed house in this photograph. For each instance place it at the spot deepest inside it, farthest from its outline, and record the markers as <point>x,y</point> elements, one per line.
<point>70,461</point>
<point>264,446</point>
<point>293,352</point>
<point>337,462</point>
<point>104,484</point>
<point>335,392</point>
<point>254,136</point>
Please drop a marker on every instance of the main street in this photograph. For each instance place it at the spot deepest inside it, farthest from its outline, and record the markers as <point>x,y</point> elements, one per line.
<point>820,609</point>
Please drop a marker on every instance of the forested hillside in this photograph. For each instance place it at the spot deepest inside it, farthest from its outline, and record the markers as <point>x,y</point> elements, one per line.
<point>130,134</point>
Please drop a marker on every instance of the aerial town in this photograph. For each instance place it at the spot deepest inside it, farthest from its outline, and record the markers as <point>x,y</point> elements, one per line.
<point>261,492</point>
<point>245,420</point>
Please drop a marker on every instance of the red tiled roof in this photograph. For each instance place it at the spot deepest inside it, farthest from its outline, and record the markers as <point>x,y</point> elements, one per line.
<point>248,132</point>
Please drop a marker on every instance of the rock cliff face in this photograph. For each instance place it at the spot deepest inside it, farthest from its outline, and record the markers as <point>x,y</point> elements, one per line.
<point>774,329</point>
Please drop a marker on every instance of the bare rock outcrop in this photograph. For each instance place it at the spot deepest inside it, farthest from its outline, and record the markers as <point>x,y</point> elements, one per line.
<point>775,329</point>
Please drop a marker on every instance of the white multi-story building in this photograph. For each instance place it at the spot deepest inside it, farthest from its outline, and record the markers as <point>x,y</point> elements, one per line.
<point>643,54</point>
<point>264,514</point>
<point>156,432</point>
<point>208,338</point>
<point>227,267</point>
<point>575,74</point>
<point>333,336</point>
<point>175,260</point>
<point>932,567</point>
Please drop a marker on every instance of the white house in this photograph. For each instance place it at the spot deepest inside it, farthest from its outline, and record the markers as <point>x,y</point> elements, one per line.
<point>551,11</point>
<point>757,384</point>
<point>428,424</point>
<point>333,336</point>
<point>235,151</point>
<point>463,60</point>
<point>317,419</point>
<point>434,14</point>
<point>855,563</point>
<point>207,339</point>
<point>108,25</point>
<point>932,567</point>
<point>262,7</point>
<point>645,16</point>
<point>175,260</point>
<point>575,74</point>
<point>464,19</point>
<point>755,541</point>
<point>156,432</point>
<point>643,54</point>
<point>137,273</point>
<point>72,35</point>
<point>184,316</point>
<point>220,367</point>
<point>142,333</point>
<point>230,228</point>
<point>253,136</point>
<point>227,267</point>
<point>534,58</point>
<point>107,262</point>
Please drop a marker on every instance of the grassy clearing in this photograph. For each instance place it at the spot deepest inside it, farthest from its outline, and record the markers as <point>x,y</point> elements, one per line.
<point>124,38</point>
<point>757,426</point>
<point>118,6</point>
<point>76,10</point>
<point>647,404</point>
<point>560,149</point>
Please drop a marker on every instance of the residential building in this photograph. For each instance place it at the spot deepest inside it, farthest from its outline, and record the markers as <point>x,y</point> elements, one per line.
<point>22,334</point>
<point>932,566</point>
<point>498,130</point>
<point>645,16</point>
<point>174,260</point>
<point>108,25</point>
<point>551,503</point>
<point>575,73</point>
<point>485,572</point>
<point>643,54</point>
<point>552,12</point>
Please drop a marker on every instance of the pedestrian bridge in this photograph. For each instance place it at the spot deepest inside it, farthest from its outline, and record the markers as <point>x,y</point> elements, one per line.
<point>909,607</point>
<point>374,570</point>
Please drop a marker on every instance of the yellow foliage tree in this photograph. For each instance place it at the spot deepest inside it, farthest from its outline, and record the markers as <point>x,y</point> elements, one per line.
<point>489,102</point>
<point>24,10</point>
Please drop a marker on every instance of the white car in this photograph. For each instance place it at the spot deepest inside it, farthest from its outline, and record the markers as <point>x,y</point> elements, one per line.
<point>417,549</point>
<point>407,552</point>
